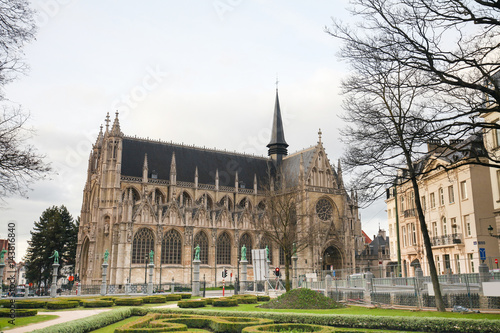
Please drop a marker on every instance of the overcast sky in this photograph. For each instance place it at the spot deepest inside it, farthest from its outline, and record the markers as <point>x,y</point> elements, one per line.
<point>198,72</point>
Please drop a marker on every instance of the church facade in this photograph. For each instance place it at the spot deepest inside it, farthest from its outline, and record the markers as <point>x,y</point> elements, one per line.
<point>143,195</point>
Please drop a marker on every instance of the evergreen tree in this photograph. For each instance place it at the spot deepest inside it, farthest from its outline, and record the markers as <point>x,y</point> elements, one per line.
<point>55,230</point>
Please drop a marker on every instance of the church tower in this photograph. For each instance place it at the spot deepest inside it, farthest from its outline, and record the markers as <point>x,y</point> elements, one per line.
<point>277,146</point>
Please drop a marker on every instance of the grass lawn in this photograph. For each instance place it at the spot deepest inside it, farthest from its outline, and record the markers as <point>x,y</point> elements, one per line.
<point>111,328</point>
<point>360,310</point>
<point>22,321</point>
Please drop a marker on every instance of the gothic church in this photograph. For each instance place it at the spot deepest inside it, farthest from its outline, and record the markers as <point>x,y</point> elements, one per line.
<point>143,195</point>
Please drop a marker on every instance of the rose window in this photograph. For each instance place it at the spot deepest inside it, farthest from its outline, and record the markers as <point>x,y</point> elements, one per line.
<point>324,209</point>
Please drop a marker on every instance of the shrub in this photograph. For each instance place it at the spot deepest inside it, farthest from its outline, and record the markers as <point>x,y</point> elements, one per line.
<point>96,303</point>
<point>185,295</point>
<point>288,328</point>
<point>224,301</point>
<point>90,323</point>
<point>263,298</point>
<point>18,313</point>
<point>192,303</point>
<point>173,297</point>
<point>245,299</point>
<point>208,300</point>
<point>302,298</point>
<point>31,304</point>
<point>128,301</point>
<point>154,299</point>
<point>62,304</point>
<point>77,299</point>
<point>109,298</point>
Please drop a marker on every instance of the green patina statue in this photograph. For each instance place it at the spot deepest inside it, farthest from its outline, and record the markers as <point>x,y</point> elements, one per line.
<point>267,253</point>
<point>55,255</point>
<point>244,253</point>
<point>2,256</point>
<point>151,256</point>
<point>106,255</point>
<point>197,252</point>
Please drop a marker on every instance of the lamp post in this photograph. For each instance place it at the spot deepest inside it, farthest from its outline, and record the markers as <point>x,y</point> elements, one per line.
<point>490,232</point>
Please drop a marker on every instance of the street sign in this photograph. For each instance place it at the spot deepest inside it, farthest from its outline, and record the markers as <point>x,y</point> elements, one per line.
<point>482,253</point>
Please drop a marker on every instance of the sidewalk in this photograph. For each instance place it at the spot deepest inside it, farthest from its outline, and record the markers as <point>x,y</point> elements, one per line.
<point>64,316</point>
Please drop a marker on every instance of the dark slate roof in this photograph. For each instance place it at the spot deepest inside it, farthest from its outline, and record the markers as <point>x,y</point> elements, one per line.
<point>187,159</point>
<point>291,165</point>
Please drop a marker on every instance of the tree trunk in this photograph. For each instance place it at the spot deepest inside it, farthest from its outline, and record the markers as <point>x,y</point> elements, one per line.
<point>287,274</point>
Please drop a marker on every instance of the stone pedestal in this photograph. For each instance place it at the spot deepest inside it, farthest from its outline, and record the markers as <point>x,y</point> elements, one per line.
<point>196,278</point>
<point>104,276</point>
<point>2,265</point>
<point>151,266</point>
<point>295,278</point>
<point>268,276</point>
<point>127,288</point>
<point>53,287</point>
<point>244,264</point>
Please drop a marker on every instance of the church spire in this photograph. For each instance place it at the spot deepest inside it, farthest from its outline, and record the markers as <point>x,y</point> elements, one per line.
<point>115,130</point>
<point>277,146</point>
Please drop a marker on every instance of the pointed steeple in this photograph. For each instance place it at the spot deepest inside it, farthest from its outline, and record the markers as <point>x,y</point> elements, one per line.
<point>115,130</point>
<point>339,176</point>
<point>145,169</point>
<point>173,170</point>
<point>277,146</point>
<point>236,182</point>
<point>107,122</point>
<point>100,137</point>
<point>196,177</point>
<point>216,179</point>
<point>255,183</point>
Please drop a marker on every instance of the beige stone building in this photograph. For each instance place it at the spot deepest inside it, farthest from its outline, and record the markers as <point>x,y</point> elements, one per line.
<point>144,195</point>
<point>458,208</point>
<point>492,144</point>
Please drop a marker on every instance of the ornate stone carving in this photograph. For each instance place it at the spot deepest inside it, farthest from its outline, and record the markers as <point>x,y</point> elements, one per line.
<point>188,235</point>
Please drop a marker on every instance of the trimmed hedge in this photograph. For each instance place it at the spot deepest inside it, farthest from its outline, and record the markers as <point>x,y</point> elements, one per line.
<point>154,299</point>
<point>208,300</point>
<point>31,304</point>
<point>245,299</point>
<point>77,299</point>
<point>19,313</point>
<point>96,303</point>
<point>192,303</point>
<point>422,324</point>
<point>156,322</point>
<point>90,323</point>
<point>173,297</point>
<point>109,298</point>
<point>224,301</point>
<point>263,298</point>
<point>128,301</point>
<point>185,295</point>
<point>288,327</point>
<point>62,305</point>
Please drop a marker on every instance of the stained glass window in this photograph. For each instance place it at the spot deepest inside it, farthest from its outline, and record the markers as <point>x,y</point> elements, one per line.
<point>324,209</point>
<point>144,241</point>
<point>201,239</point>
<point>223,249</point>
<point>171,248</point>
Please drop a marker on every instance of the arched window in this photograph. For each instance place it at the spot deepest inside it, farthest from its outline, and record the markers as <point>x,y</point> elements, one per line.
<point>247,241</point>
<point>282,257</point>
<point>226,202</point>
<point>201,239</point>
<point>171,248</point>
<point>144,241</point>
<point>266,242</point>
<point>224,249</point>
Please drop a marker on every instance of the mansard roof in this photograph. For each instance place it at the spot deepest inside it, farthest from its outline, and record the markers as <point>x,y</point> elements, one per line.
<point>187,158</point>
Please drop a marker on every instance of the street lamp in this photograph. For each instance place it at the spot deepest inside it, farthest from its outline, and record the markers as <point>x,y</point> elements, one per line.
<point>490,232</point>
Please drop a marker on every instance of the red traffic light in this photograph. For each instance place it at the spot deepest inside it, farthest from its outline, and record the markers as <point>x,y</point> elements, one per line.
<point>30,284</point>
<point>496,261</point>
<point>71,278</point>
<point>277,271</point>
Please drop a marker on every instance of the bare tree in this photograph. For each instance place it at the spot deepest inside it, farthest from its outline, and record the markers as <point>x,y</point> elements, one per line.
<point>20,164</point>
<point>454,42</point>
<point>285,220</point>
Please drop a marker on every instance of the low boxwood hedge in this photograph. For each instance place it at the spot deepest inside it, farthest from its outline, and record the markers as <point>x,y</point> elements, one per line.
<point>109,298</point>
<point>263,298</point>
<point>173,297</point>
<point>185,295</point>
<point>422,324</point>
<point>192,303</point>
<point>29,304</point>
<point>154,299</point>
<point>245,299</point>
<point>18,312</point>
<point>62,305</point>
<point>128,301</point>
<point>96,303</point>
<point>225,301</point>
<point>208,300</point>
<point>89,324</point>
<point>77,299</point>
<point>288,328</point>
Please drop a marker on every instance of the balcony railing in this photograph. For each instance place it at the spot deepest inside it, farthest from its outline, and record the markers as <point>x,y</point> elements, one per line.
<point>410,212</point>
<point>451,239</point>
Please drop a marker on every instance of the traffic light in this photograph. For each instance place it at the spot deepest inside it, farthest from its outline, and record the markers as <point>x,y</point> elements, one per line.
<point>277,271</point>
<point>224,273</point>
